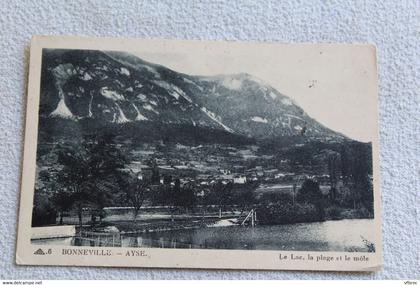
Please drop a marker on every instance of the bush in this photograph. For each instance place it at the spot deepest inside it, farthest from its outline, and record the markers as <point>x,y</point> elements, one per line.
<point>43,213</point>
<point>334,213</point>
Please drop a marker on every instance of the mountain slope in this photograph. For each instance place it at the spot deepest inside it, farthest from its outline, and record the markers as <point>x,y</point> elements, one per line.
<point>118,88</point>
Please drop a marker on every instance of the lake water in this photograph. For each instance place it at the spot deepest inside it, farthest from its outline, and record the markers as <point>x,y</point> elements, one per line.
<point>340,235</point>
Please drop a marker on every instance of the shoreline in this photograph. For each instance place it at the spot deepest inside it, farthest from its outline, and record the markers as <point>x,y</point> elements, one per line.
<point>189,225</point>
<point>188,222</point>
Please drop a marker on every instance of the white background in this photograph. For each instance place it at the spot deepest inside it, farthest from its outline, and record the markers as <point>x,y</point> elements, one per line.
<point>394,26</point>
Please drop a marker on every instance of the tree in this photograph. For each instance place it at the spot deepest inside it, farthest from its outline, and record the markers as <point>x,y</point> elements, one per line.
<point>176,193</point>
<point>356,168</point>
<point>345,162</point>
<point>43,213</point>
<point>244,196</point>
<point>155,179</point>
<point>62,202</point>
<point>333,168</point>
<point>310,193</point>
<point>172,193</point>
<point>136,192</point>
<point>55,198</point>
<point>361,167</point>
<point>187,198</point>
<point>221,194</point>
<point>91,172</point>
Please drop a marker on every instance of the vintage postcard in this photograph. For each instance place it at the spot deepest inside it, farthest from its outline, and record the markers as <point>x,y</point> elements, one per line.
<point>194,154</point>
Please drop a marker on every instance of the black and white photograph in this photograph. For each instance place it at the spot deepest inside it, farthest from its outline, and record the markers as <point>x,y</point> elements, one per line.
<point>205,150</point>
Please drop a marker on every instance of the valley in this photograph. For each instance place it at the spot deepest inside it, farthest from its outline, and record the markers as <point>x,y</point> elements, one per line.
<point>132,146</point>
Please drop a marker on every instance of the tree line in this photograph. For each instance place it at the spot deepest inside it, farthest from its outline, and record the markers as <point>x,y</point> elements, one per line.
<point>91,173</point>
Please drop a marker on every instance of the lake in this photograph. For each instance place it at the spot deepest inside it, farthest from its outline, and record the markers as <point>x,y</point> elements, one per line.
<point>342,235</point>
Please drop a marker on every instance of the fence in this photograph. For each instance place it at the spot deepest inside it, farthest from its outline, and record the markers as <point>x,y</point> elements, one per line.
<point>98,239</point>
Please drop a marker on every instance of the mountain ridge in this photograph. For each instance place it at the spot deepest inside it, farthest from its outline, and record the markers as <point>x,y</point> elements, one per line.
<point>118,87</point>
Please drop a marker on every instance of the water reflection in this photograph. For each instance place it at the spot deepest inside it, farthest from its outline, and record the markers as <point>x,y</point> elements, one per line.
<point>325,236</point>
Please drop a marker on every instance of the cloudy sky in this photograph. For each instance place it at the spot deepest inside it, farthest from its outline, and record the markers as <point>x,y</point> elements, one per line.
<point>335,84</point>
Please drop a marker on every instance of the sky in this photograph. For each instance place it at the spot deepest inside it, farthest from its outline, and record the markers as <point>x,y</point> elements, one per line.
<point>334,84</point>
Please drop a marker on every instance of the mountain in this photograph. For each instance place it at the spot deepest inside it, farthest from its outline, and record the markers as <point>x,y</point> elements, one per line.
<point>119,88</point>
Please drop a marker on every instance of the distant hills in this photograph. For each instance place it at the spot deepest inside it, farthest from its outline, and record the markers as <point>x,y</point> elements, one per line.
<point>117,88</point>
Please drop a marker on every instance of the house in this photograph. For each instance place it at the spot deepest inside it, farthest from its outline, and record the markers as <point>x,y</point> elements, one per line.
<point>228,177</point>
<point>239,179</point>
<point>239,168</point>
<point>224,171</point>
<point>279,175</point>
<point>325,189</point>
<point>270,172</point>
<point>200,193</point>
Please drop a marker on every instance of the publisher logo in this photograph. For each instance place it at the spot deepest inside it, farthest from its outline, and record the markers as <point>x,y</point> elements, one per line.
<point>39,252</point>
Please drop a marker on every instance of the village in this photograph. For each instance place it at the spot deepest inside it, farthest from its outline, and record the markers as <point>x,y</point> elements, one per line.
<point>206,165</point>
<point>262,182</point>
<point>206,183</point>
